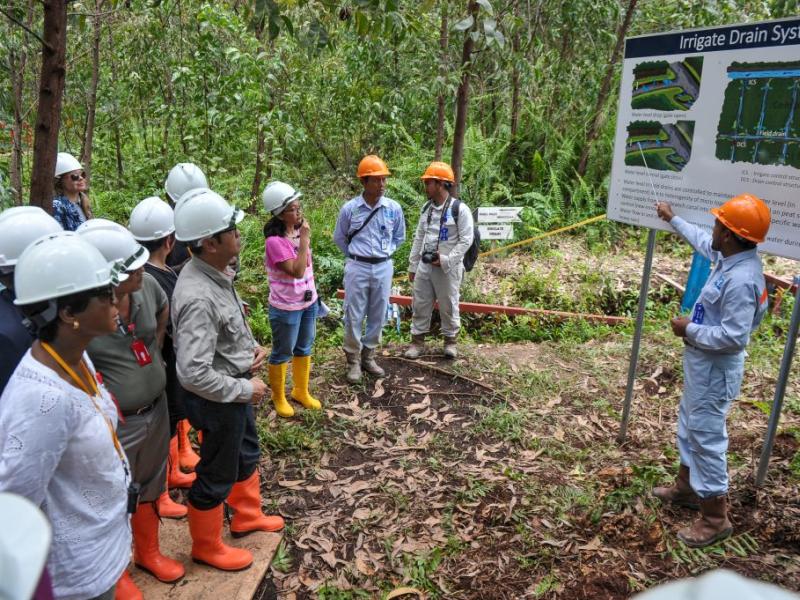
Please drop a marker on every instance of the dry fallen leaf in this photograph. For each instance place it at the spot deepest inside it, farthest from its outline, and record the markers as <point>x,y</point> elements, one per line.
<point>379,391</point>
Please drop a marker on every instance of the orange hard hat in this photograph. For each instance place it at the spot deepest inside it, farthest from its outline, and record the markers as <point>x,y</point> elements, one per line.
<point>372,165</point>
<point>439,170</point>
<point>745,215</point>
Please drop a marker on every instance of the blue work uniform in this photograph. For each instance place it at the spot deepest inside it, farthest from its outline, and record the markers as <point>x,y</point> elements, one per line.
<point>15,339</point>
<point>368,269</point>
<point>730,306</point>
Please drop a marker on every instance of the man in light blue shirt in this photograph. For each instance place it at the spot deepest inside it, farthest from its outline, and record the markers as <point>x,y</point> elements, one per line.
<point>730,306</point>
<point>369,229</point>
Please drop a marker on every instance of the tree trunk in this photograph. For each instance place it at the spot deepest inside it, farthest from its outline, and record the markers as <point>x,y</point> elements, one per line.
<point>440,100</point>
<point>515,80</point>
<point>462,98</point>
<point>117,117</point>
<point>605,89</point>
<point>261,146</point>
<point>17,62</point>
<point>91,109</point>
<point>51,91</point>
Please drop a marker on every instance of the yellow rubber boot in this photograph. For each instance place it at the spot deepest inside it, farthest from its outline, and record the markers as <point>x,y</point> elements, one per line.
<point>277,382</point>
<point>301,371</point>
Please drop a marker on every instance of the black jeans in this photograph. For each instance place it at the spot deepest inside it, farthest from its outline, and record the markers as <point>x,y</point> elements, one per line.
<point>229,451</point>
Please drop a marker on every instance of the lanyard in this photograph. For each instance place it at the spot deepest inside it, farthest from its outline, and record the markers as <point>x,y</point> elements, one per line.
<point>68,370</point>
<point>442,219</point>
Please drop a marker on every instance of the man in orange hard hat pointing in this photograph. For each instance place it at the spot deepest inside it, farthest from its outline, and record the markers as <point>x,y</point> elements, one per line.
<point>730,306</point>
<point>369,229</point>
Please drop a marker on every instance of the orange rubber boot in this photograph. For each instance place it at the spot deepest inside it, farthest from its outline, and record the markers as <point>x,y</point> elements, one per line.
<point>146,554</point>
<point>175,477</point>
<point>188,457</point>
<point>126,589</point>
<point>245,500</point>
<point>205,526</point>
<point>167,507</point>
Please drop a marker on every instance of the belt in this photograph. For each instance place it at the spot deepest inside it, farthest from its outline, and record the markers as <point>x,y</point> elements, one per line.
<point>141,411</point>
<point>711,352</point>
<point>373,260</point>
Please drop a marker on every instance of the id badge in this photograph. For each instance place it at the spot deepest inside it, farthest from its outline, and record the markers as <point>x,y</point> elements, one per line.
<point>141,353</point>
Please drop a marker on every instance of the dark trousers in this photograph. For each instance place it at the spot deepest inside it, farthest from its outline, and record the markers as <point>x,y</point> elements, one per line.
<point>229,451</point>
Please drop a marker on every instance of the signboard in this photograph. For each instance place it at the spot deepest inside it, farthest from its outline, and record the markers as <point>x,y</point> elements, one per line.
<point>496,232</point>
<point>499,214</point>
<point>708,114</point>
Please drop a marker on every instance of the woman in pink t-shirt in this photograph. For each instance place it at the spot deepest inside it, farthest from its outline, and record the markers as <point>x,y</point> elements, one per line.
<point>293,302</point>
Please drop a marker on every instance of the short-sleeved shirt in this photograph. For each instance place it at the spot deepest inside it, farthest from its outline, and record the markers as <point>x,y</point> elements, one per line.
<point>68,213</point>
<point>134,386</point>
<point>15,339</point>
<point>287,292</point>
<point>56,450</point>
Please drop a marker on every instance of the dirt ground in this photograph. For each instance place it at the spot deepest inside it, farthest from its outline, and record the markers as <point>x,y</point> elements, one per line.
<point>505,482</point>
<point>498,475</point>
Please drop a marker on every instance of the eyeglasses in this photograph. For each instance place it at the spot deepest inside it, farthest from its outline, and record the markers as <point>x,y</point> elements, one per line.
<point>78,176</point>
<point>103,293</point>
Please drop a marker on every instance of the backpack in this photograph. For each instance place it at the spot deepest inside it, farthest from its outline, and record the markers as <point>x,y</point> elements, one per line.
<point>471,255</point>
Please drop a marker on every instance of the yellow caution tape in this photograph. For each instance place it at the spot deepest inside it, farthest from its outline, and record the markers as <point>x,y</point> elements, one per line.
<point>543,235</point>
<point>531,239</point>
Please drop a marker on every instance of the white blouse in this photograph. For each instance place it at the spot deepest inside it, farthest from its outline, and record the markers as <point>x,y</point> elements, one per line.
<point>56,450</point>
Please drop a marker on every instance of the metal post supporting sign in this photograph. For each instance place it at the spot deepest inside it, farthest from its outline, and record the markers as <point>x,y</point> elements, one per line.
<point>637,336</point>
<point>780,389</point>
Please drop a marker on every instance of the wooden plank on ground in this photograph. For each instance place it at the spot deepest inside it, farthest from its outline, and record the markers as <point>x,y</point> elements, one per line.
<point>202,582</point>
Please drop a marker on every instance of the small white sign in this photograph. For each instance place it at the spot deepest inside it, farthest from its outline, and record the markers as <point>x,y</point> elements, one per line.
<point>496,232</point>
<point>499,214</point>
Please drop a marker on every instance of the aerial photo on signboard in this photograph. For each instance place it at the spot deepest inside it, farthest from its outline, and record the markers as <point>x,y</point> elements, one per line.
<point>659,146</point>
<point>759,122</point>
<point>663,85</point>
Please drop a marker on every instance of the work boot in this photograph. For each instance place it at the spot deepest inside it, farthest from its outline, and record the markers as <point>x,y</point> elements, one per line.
<point>188,457</point>
<point>712,525</point>
<point>450,349</point>
<point>126,589</point>
<point>167,507</point>
<point>679,493</point>
<point>245,500</point>
<point>146,553</point>
<point>417,346</point>
<point>353,367</point>
<point>301,372</point>
<point>368,363</point>
<point>175,477</point>
<point>277,384</point>
<point>205,527</point>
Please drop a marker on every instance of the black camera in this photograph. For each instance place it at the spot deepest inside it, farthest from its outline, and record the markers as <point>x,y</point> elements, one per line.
<point>429,257</point>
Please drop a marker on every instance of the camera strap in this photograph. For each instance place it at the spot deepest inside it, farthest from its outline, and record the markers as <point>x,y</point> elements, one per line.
<point>442,218</point>
<point>350,236</point>
<point>93,396</point>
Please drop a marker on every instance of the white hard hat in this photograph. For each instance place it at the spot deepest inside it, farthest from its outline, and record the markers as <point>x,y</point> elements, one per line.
<point>25,537</point>
<point>277,196</point>
<point>66,163</point>
<point>182,178</point>
<point>202,213</point>
<point>717,585</point>
<point>151,219</point>
<point>61,264</point>
<point>114,242</point>
<point>19,226</point>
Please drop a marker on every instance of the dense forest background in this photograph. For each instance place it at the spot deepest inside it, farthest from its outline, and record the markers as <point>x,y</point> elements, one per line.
<point>523,91</point>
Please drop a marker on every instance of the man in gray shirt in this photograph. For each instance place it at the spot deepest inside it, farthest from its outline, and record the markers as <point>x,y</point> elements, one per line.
<point>217,358</point>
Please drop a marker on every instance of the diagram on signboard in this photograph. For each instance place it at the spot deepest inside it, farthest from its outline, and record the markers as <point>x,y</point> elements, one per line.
<point>665,146</point>
<point>661,85</point>
<point>759,122</point>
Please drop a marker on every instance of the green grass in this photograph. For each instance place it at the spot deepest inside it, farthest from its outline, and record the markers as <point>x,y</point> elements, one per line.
<point>660,99</point>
